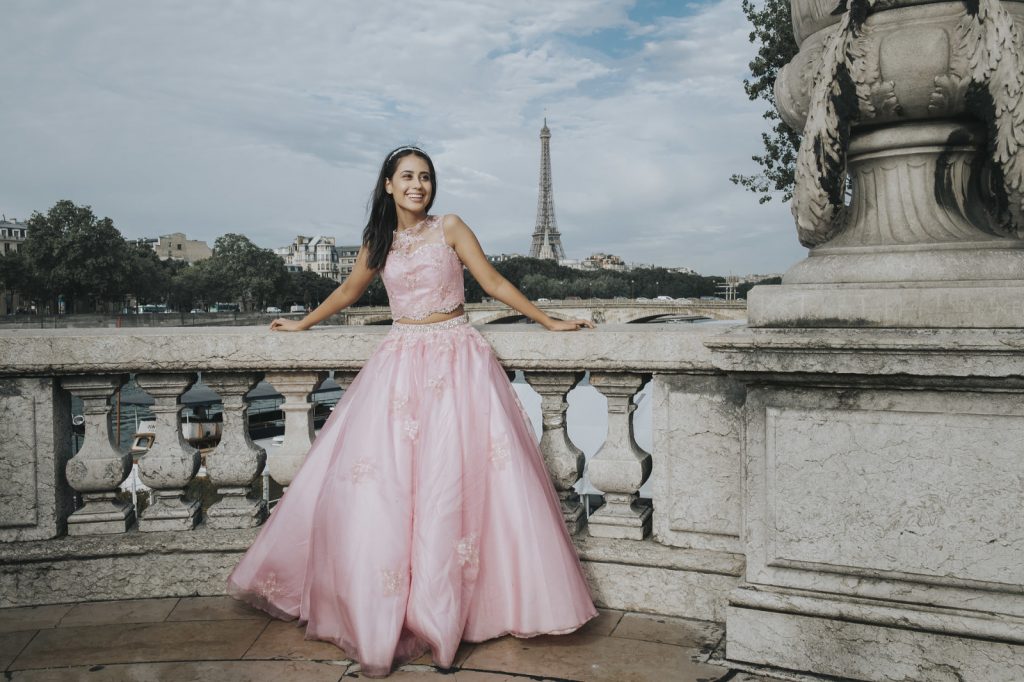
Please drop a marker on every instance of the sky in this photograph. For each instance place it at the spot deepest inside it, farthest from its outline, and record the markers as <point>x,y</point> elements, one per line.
<point>271,119</point>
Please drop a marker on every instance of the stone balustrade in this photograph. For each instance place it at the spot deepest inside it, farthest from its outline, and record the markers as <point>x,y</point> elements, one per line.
<point>61,521</point>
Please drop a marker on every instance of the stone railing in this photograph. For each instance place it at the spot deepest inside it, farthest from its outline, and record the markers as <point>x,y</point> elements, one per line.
<point>66,535</point>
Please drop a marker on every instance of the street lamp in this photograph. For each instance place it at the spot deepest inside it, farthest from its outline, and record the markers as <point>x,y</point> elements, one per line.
<point>631,288</point>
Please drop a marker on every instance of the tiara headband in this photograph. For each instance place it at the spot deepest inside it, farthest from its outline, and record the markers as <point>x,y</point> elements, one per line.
<point>409,148</point>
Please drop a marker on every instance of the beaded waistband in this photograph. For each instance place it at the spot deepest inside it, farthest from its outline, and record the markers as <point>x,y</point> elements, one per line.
<point>404,327</point>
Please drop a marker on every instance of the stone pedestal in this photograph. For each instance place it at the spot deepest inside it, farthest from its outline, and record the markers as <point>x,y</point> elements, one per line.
<point>915,250</point>
<point>884,457</point>
<point>884,534</point>
<point>929,100</point>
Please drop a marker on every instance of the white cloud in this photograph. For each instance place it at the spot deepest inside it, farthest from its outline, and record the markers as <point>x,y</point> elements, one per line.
<point>271,118</point>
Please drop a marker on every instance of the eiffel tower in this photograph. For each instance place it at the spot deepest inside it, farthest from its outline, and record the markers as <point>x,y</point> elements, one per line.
<point>547,243</point>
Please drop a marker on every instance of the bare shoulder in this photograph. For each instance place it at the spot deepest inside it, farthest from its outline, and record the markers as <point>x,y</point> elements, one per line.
<point>453,223</point>
<point>456,231</point>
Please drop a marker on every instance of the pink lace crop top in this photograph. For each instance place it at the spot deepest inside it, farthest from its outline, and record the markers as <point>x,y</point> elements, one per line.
<point>423,275</point>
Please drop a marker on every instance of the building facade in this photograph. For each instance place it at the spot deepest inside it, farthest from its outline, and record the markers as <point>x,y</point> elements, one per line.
<point>177,246</point>
<point>12,236</point>
<point>346,259</point>
<point>316,254</point>
<point>602,261</point>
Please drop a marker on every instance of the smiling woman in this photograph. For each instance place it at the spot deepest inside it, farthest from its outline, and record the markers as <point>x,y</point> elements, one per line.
<point>394,537</point>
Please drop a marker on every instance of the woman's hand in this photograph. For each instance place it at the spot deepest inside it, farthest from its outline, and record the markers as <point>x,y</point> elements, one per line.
<point>283,325</point>
<point>569,325</point>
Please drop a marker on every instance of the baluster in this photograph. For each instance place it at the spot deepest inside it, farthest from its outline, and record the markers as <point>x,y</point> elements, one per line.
<point>99,467</point>
<point>296,388</point>
<point>563,459</point>
<point>237,461</point>
<point>171,463</point>
<point>620,467</point>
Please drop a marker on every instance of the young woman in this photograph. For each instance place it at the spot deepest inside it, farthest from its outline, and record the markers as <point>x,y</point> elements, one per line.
<point>423,514</point>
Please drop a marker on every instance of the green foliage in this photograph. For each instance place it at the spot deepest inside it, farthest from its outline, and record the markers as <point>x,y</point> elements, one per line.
<point>743,289</point>
<point>308,288</point>
<point>251,275</point>
<point>70,252</point>
<point>539,278</point>
<point>375,294</point>
<point>149,278</point>
<point>196,286</point>
<point>773,34</point>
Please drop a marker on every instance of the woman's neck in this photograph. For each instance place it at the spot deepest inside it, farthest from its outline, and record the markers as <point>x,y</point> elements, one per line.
<point>407,219</point>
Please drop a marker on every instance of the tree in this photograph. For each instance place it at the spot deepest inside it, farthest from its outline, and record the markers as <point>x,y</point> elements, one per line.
<point>70,252</point>
<point>148,277</point>
<point>252,275</point>
<point>773,34</point>
<point>196,286</point>
<point>14,273</point>
<point>743,289</point>
<point>309,288</point>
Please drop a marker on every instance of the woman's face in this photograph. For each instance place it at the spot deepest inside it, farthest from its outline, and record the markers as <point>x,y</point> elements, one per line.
<point>410,186</point>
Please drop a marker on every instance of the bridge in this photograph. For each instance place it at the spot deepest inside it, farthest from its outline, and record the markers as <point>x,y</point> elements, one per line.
<point>601,311</point>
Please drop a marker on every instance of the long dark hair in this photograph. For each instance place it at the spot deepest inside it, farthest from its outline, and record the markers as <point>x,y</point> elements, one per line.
<point>383,220</point>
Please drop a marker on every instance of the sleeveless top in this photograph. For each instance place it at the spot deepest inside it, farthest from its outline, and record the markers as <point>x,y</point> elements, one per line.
<point>422,275</point>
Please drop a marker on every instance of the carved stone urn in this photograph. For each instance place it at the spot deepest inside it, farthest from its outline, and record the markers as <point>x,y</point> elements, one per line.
<point>910,177</point>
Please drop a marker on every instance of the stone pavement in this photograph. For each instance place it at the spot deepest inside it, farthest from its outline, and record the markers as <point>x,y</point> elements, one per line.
<point>218,638</point>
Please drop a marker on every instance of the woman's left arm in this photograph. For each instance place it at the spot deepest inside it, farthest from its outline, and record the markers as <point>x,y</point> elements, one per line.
<point>466,245</point>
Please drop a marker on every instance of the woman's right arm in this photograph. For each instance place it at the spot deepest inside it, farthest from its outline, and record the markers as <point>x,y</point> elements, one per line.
<point>345,295</point>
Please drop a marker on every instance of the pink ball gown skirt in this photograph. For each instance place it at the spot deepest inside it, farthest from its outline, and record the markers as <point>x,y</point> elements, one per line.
<point>423,514</point>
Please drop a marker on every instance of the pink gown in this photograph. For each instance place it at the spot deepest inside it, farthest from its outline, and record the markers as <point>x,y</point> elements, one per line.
<point>423,514</point>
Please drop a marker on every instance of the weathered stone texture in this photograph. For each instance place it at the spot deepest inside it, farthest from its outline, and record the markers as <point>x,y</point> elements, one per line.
<point>35,445</point>
<point>640,348</point>
<point>852,650</point>
<point>698,445</point>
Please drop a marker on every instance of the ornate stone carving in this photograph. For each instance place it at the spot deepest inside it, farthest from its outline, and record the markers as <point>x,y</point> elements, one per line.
<point>296,388</point>
<point>99,467</point>
<point>872,60</point>
<point>994,43</point>
<point>171,463</point>
<point>237,461</point>
<point>819,196</point>
<point>620,467</point>
<point>564,460</point>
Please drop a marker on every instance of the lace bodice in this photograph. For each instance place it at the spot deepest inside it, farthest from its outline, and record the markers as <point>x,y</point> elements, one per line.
<point>423,275</point>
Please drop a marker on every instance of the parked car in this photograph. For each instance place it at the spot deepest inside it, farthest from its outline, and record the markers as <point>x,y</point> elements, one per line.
<point>197,311</point>
<point>663,298</point>
<point>273,309</point>
<point>543,300</point>
<point>297,309</point>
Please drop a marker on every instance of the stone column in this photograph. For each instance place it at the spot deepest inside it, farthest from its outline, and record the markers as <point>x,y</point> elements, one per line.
<point>171,463</point>
<point>564,460</point>
<point>237,461</point>
<point>99,467</point>
<point>620,467</point>
<point>296,388</point>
